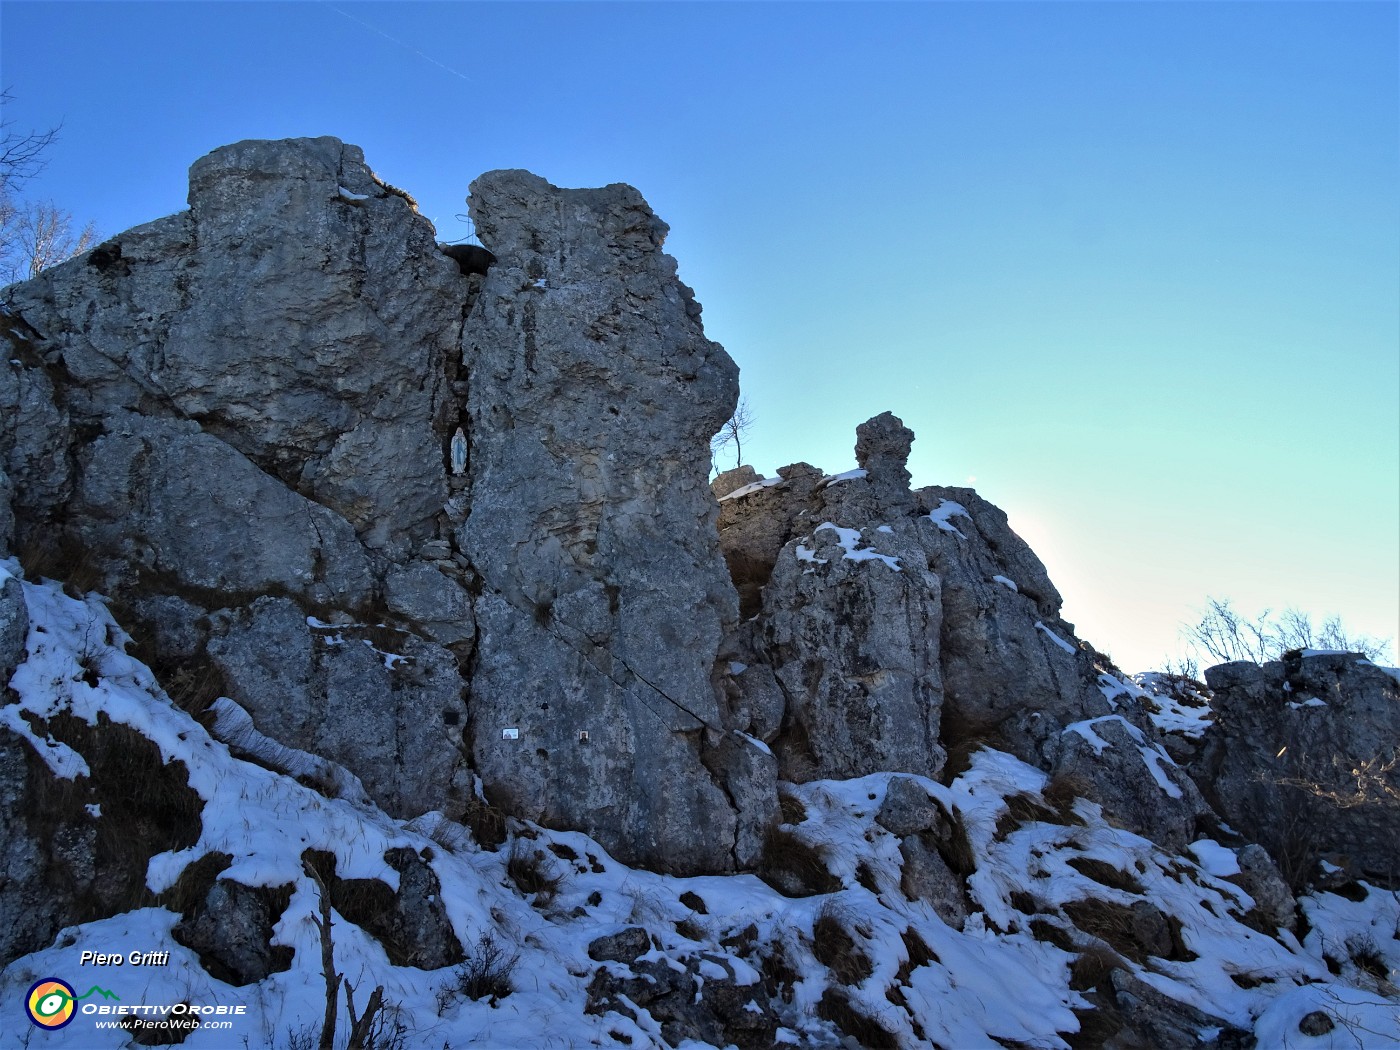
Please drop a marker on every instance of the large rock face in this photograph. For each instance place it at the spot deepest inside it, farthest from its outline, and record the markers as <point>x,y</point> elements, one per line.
<point>1304,755</point>
<point>299,312</point>
<point>254,398</point>
<point>603,597</point>
<point>239,422</point>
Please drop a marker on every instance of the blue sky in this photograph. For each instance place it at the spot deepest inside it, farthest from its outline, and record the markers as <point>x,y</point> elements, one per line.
<point>1135,267</point>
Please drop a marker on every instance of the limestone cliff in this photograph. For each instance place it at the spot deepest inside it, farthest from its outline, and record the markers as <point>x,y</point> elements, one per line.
<point>237,420</point>
<point>434,621</point>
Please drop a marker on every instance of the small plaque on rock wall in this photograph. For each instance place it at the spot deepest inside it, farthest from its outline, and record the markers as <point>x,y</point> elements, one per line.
<point>510,734</point>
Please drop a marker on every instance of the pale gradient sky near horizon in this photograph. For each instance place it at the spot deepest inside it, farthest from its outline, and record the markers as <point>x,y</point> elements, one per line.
<point>1134,267</point>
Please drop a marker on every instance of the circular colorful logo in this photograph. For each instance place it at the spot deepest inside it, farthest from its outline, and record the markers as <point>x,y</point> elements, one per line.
<point>50,1003</point>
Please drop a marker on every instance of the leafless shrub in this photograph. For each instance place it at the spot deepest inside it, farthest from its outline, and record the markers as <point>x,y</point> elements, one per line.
<point>1369,782</point>
<point>1224,635</point>
<point>530,870</point>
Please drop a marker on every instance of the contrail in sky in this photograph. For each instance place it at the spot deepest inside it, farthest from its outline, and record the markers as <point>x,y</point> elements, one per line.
<point>396,40</point>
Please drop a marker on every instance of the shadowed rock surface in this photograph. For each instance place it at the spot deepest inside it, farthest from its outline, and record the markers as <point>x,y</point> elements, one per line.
<point>1305,753</point>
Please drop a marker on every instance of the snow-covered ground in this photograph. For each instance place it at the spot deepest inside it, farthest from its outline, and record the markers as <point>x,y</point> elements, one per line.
<point>1010,976</point>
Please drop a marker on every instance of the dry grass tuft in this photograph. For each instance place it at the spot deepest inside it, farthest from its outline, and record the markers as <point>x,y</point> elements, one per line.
<point>795,867</point>
<point>1105,874</point>
<point>836,949</point>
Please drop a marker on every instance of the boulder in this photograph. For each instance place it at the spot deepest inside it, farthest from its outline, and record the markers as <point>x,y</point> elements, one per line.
<point>231,930</point>
<point>14,625</point>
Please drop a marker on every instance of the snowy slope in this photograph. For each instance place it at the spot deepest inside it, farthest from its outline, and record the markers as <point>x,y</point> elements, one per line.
<point>1050,880</point>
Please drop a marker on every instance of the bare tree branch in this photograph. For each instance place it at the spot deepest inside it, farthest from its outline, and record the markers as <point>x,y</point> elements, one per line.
<point>1224,635</point>
<point>35,236</point>
<point>21,156</point>
<point>733,432</point>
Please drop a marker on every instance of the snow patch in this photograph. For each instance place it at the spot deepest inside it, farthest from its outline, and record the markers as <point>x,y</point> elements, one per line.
<point>947,509</point>
<point>1055,637</point>
<point>836,479</point>
<point>850,543</point>
<point>750,489</point>
<point>1215,858</point>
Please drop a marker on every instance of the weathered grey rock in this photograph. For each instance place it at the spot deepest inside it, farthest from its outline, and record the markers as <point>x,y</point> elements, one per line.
<point>604,598</point>
<point>300,310</point>
<point>1152,1020</point>
<point>177,629</point>
<point>755,701</point>
<point>231,932</point>
<point>686,1005</point>
<point>437,605</point>
<point>757,519</point>
<point>164,498</point>
<point>76,851</point>
<point>1128,772</point>
<point>7,514</point>
<point>1261,879</point>
<point>382,703</point>
<point>748,772</point>
<point>31,912</point>
<point>925,876</point>
<point>851,622</point>
<point>14,626</point>
<point>624,946</point>
<point>34,430</point>
<point>419,918</point>
<point>411,922</point>
<point>1302,754</point>
<point>882,451</point>
<point>907,808</point>
<point>850,619</point>
<point>1004,648</point>
<point>729,480</point>
<point>898,624</point>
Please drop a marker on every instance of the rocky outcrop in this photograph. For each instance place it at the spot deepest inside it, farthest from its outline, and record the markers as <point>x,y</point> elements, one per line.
<point>416,531</point>
<point>603,598</point>
<point>396,500</point>
<point>1304,755</point>
<point>300,312</point>
<point>250,403</point>
<point>893,627</point>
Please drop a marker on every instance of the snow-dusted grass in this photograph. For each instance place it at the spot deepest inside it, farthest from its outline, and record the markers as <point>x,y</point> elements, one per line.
<point>1006,976</point>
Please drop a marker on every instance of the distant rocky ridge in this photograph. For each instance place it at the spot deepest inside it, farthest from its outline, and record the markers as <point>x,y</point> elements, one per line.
<point>236,423</point>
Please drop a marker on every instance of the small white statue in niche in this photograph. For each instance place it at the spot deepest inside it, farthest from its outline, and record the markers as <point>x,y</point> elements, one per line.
<point>459,452</point>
